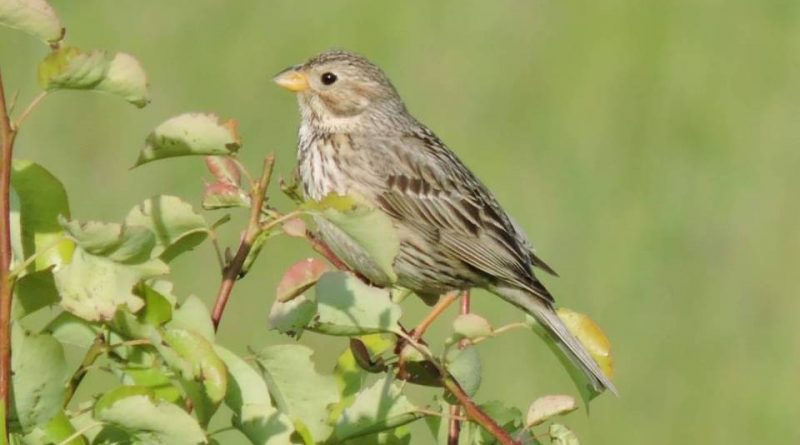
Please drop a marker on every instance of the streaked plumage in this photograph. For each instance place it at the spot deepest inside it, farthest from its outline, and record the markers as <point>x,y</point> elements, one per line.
<point>356,137</point>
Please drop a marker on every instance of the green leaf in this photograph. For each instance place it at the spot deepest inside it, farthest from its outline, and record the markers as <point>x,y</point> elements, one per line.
<point>561,435</point>
<point>297,388</point>
<point>40,377</point>
<point>71,330</point>
<point>465,366</point>
<point>35,17</point>
<point>293,316</point>
<point>34,291</point>
<point>369,229</point>
<point>249,399</point>
<point>193,316</point>
<point>120,74</point>
<point>154,378</point>
<point>593,339</point>
<point>42,199</point>
<point>147,420</point>
<point>347,306</point>
<point>93,287</point>
<point>546,407</point>
<point>191,134</point>
<point>380,407</point>
<point>196,361</point>
<point>471,326</point>
<point>119,243</point>
<point>177,227</point>
<point>157,308</point>
<point>350,373</point>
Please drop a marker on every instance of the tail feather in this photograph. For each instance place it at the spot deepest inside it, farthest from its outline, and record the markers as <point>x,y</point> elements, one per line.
<point>572,347</point>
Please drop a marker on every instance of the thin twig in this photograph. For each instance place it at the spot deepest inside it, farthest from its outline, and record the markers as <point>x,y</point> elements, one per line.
<point>454,431</point>
<point>98,348</point>
<point>20,268</point>
<point>437,310</point>
<point>472,410</point>
<point>80,433</point>
<point>232,271</point>
<point>25,113</point>
<point>6,281</point>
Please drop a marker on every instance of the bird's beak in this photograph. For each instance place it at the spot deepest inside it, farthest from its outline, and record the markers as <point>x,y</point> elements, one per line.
<point>292,79</point>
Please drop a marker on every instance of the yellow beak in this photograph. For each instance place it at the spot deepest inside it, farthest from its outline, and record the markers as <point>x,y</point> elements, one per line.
<point>292,79</point>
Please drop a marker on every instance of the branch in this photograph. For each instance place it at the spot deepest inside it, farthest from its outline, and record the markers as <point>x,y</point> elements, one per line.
<point>472,410</point>
<point>234,269</point>
<point>437,310</point>
<point>6,282</point>
<point>455,411</point>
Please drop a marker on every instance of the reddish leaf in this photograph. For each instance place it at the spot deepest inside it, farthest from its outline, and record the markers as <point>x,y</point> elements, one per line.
<point>295,227</point>
<point>299,277</point>
<point>221,195</point>
<point>224,169</point>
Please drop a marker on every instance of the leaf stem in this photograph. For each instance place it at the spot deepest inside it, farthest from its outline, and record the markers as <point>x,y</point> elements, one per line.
<point>232,271</point>
<point>6,281</point>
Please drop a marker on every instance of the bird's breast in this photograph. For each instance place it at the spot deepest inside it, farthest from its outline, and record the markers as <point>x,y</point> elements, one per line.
<point>322,163</point>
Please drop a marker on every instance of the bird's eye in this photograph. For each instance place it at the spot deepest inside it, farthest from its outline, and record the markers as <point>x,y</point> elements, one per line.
<point>328,78</point>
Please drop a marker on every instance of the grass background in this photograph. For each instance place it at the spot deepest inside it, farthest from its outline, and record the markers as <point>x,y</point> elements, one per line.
<point>650,149</point>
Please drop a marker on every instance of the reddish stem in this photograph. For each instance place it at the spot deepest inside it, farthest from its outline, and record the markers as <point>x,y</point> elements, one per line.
<point>6,283</point>
<point>234,269</point>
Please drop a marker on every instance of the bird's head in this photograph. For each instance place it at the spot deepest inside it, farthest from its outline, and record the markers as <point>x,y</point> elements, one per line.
<point>341,91</point>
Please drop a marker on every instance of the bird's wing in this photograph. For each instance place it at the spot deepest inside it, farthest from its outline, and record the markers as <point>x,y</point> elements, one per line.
<point>428,188</point>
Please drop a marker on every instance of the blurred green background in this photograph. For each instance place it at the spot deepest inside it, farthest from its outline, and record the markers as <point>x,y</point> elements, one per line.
<point>650,149</point>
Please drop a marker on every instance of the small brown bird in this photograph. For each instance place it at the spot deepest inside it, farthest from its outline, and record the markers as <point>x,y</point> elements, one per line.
<point>357,137</point>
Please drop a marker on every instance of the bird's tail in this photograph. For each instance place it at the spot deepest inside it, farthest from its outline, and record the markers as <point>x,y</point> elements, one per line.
<point>572,347</point>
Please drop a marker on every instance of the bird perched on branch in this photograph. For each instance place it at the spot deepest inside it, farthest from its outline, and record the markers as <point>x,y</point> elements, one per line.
<point>357,138</point>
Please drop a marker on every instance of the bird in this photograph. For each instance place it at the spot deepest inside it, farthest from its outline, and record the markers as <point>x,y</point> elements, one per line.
<point>356,137</point>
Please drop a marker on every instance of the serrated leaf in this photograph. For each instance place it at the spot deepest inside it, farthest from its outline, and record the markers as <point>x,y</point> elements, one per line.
<point>471,326</point>
<point>193,315</point>
<point>380,407</point>
<point>35,17</point>
<point>40,376</point>
<point>120,74</point>
<point>297,388</point>
<point>42,199</point>
<point>176,225</point>
<point>593,339</point>
<point>546,407</point>
<point>465,366</point>
<point>299,277</point>
<point>93,287</point>
<point>293,316</point>
<point>347,306</point>
<point>561,435</point>
<point>191,134</point>
<point>249,399</point>
<point>147,420</point>
<point>370,230</point>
